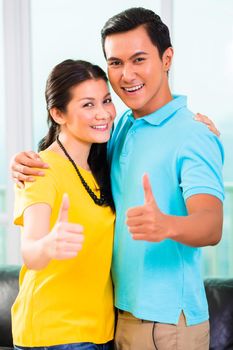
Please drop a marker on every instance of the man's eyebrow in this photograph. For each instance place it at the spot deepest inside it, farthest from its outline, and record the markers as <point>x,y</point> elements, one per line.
<point>138,53</point>
<point>113,59</point>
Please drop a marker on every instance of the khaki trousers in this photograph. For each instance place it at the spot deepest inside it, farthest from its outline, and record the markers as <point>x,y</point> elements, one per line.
<point>136,334</point>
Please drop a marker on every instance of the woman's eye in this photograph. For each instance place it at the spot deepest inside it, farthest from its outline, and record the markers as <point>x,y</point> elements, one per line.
<point>88,104</point>
<point>108,100</point>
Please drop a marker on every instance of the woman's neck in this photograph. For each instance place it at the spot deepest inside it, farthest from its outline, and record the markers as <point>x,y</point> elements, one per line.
<point>77,150</point>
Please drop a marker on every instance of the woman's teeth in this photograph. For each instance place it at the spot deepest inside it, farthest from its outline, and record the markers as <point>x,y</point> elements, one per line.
<point>100,127</point>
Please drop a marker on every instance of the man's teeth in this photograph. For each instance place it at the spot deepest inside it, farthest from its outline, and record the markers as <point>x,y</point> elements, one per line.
<point>134,88</point>
<point>99,127</point>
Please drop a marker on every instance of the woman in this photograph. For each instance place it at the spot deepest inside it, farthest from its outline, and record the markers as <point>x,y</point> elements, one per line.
<point>65,299</point>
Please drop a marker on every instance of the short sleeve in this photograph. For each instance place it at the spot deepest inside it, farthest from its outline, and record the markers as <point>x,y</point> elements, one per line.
<point>200,163</point>
<point>43,190</point>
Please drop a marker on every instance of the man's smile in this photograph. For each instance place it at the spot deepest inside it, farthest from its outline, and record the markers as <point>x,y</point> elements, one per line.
<point>133,88</point>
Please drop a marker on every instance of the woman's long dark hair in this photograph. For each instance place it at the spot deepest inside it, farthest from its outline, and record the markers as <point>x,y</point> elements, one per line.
<point>63,77</point>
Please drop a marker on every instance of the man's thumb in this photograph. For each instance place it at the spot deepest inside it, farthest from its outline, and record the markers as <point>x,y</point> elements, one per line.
<point>148,194</point>
<point>63,213</point>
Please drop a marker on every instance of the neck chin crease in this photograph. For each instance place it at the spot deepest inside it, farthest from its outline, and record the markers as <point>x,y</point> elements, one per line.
<point>159,103</point>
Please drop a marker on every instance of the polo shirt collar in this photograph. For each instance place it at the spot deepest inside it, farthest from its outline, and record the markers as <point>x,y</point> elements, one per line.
<point>157,117</point>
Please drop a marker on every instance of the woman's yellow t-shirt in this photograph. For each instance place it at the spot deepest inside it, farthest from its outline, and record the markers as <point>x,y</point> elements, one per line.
<point>69,301</point>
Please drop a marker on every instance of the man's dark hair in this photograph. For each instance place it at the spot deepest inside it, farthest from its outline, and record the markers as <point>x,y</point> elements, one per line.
<point>134,17</point>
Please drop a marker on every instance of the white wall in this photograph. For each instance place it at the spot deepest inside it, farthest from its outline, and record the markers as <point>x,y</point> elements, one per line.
<point>203,63</point>
<point>2,119</point>
<point>64,29</point>
<point>34,36</point>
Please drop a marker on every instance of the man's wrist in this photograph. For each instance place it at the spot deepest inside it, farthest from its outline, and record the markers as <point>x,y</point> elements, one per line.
<point>172,227</point>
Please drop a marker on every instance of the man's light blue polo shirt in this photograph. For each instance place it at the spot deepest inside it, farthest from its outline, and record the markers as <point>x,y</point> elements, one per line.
<point>155,281</point>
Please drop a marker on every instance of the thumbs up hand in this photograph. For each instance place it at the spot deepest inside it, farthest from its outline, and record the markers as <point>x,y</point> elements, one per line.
<point>147,222</point>
<point>66,239</point>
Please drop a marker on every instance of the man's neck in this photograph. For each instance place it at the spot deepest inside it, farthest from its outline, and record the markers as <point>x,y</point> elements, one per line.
<point>153,105</point>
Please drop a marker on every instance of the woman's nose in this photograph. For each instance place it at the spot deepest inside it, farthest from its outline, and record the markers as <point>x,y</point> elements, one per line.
<point>102,114</point>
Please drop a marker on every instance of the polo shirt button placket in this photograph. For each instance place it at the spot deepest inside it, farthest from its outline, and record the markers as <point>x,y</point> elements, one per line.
<point>125,149</point>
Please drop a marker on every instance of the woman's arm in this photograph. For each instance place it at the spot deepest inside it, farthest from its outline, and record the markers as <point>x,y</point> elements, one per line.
<point>39,245</point>
<point>208,122</point>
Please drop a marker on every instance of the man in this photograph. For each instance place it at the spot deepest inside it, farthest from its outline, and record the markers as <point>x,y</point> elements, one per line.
<point>162,221</point>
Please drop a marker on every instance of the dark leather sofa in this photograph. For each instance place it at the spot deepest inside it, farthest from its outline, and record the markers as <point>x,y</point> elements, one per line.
<point>219,294</point>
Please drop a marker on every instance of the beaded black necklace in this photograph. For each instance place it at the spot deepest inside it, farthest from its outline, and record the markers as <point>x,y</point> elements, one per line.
<point>99,201</point>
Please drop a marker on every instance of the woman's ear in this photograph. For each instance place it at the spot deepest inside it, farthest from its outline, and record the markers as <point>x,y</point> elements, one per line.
<point>167,58</point>
<point>57,115</point>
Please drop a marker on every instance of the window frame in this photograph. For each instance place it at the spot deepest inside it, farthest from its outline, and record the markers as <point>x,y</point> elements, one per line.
<point>18,104</point>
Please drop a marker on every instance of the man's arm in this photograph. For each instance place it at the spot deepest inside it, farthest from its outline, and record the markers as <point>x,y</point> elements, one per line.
<point>201,227</point>
<point>25,165</point>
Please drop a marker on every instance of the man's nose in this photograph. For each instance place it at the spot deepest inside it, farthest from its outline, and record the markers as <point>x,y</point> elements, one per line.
<point>128,73</point>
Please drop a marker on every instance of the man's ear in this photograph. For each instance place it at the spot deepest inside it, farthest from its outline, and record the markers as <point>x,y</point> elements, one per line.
<point>57,115</point>
<point>167,58</point>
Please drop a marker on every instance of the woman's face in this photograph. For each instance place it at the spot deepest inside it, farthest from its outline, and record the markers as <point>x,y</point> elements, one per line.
<point>90,113</point>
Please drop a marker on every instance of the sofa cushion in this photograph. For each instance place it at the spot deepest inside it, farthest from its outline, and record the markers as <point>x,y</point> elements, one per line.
<point>8,292</point>
<point>220,299</point>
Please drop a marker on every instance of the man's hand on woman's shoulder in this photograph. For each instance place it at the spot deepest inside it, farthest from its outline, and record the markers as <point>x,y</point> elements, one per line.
<point>25,166</point>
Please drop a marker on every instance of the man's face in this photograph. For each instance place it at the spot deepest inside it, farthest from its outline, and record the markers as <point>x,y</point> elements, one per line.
<point>136,72</point>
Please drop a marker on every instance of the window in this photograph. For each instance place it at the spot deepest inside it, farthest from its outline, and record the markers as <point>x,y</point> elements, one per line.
<point>68,31</point>
<point>59,29</point>
<point>2,147</point>
<point>203,70</point>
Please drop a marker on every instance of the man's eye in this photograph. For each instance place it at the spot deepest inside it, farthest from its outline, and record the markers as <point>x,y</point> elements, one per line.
<point>114,63</point>
<point>139,59</point>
